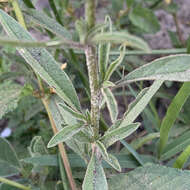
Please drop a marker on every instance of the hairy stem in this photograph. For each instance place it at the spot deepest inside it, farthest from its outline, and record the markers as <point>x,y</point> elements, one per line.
<point>90,8</point>
<point>93,74</point>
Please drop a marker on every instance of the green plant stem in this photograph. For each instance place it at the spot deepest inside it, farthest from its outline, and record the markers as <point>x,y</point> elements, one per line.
<point>90,8</point>
<point>13,183</point>
<point>44,44</point>
<point>152,52</point>
<point>18,12</point>
<point>92,66</point>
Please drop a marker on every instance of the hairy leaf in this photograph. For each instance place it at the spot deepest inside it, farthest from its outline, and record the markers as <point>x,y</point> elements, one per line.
<point>104,51</point>
<point>113,66</point>
<point>111,103</point>
<point>9,97</point>
<point>45,21</point>
<point>121,38</point>
<point>172,68</point>
<point>64,134</point>
<point>9,163</point>
<point>42,62</point>
<point>117,134</point>
<point>140,103</point>
<point>77,115</point>
<point>95,178</point>
<point>154,177</point>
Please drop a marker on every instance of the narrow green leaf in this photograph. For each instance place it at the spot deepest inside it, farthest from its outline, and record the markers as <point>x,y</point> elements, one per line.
<point>102,149</point>
<point>63,174</point>
<point>45,21</point>
<point>77,115</point>
<point>137,143</point>
<point>109,158</point>
<point>55,12</point>
<point>182,158</point>
<point>93,31</point>
<point>176,146</point>
<point>133,152</point>
<point>111,103</point>
<point>62,117</point>
<point>172,114</point>
<point>9,163</point>
<point>151,177</point>
<point>172,68</point>
<point>114,126</point>
<point>29,4</point>
<point>113,66</point>
<point>9,97</point>
<point>107,84</point>
<point>64,134</point>
<point>83,136</point>
<point>104,51</point>
<point>117,134</point>
<point>113,162</point>
<point>140,103</point>
<point>42,62</point>
<point>144,19</point>
<point>95,178</point>
<point>121,38</point>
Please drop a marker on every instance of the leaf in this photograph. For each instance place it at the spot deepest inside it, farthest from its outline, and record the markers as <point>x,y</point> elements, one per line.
<point>126,161</point>
<point>37,146</point>
<point>104,51</point>
<point>182,158</point>
<point>133,152</point>
<point>95,178</point>
<point>55,12</point>
<point>107,84</point>
<point>117,134</point>
<point>171,115</point>
<point>42,160</point>
<point>29,4</point>
<point>151,176</point>
<point>121,38</point>
<point>45,21</point>
<point>137,143</point>
<point>114,126</point>
<point>172,68</point>
<point>64,134</point>
<point>77,115</point>
<point>113,162</point>
<point>9,163</point>
<point>176,146</point>
<point>140,103</point>
<point>111,103</point>
<point>63,117</point>
<point>42,62</point>
<point>9,97</point>
<point>113,66</point>
<point>109,158</point>
<point>144,19</point>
